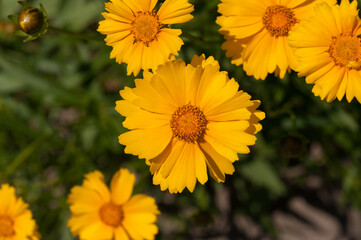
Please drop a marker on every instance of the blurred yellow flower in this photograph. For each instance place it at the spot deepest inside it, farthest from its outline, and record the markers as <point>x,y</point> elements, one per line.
<point>185,118</point>
<point>138,33</point>
<point>16,221</point>
<point>329,51</point>
<point>97,213</point>
<point>256,33</point>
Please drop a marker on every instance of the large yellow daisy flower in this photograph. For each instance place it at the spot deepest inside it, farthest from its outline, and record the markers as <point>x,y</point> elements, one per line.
<point>16,221</point>
<point>185,118</point>
<point>97,213</point>
<point>138,34</point>
<point>256,33</point>
<point>329,51</point>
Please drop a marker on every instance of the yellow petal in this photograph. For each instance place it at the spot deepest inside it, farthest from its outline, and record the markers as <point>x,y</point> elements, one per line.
<point>123,12</point>
<point>121,48</point>
<point>7,200</point>
<point>139,5</point>
<point>153,99</point>
<point>172,76</point>
<point>78,223</point>
<point>175,11</point>
<point>231,135</point>
<point>134,58</point>
<point>170,162</point>
<point>95,181</point>
<point>137,118</point>
<point>109,26</point>
<point>211,82</point>
<point>238,101</point>
<point>141,204</point>
<point>200,165</point>
<point>24,225</point>
<point>139,217</point>
<point>121,186</point>
<point>217,164</point>
<point>97,230</point>
<point>120,234</point>
<point>183,172</point>
<point>143,142</point>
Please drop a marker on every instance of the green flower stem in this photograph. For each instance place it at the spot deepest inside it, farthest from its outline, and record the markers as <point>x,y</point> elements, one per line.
<point>73,34</point>
<point>25,154</point>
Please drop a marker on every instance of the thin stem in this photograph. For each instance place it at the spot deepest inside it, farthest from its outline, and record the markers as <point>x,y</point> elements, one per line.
<point>73,34</point>
<point>25,154</point>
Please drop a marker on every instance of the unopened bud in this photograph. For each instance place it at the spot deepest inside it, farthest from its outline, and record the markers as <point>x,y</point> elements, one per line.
<point>31,20</point>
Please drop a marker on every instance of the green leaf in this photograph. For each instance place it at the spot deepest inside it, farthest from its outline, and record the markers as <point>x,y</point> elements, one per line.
<point>262,173</point>
<point>9,84</point>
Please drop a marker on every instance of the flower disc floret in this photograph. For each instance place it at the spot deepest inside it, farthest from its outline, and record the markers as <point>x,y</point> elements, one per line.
<point>6,226</point>
<point>146,27</point>
<point>188,123</point>
<point>346,50</point>
<point>111,214</point>
<point>279,20</point>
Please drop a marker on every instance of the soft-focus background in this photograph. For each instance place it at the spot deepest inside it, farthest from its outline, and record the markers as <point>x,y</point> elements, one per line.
<point>57,122</point>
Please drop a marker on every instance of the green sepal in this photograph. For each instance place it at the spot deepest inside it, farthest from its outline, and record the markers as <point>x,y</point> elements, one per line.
<point>20,33</point>
<point>42,9</point>
<point>30,38</point>
<point>13,18</point>
<point>25,4</point>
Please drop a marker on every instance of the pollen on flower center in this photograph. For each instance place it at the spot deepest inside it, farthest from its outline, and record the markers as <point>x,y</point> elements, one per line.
<point>146,27</point>
<point>188,123</point>
<point>346,51</point>
<point>6,226</point>
<point>279,20</point>
<point>111,214</point>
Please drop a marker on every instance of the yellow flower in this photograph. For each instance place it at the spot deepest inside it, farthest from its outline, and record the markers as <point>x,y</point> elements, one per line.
<point>185,118</point>
<point>138,33</point>
<point>100,214</point>
<point>329,51</point>
<point>16,220</point>
<point>256,33</point>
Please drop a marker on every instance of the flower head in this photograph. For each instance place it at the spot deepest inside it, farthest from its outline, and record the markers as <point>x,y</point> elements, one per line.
<point>184,118</point>
<point>16,221</point>
<point>256,33</point>
<point>100,213</point>
<point>329,51</point>
<point>139,35</point>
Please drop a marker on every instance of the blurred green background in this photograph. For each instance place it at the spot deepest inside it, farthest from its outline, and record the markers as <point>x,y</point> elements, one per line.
<point>57,122</point>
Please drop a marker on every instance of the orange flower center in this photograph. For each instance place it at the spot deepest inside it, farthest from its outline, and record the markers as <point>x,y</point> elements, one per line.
<point>346,51</point>
<point>111,214</point>
<point>6,226</point>
<point>146,27</point>
<point>279,20</point>
<point>188,123</point>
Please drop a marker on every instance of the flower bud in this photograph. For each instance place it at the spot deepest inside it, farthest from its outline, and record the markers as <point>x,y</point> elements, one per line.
<point>31,20</point>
